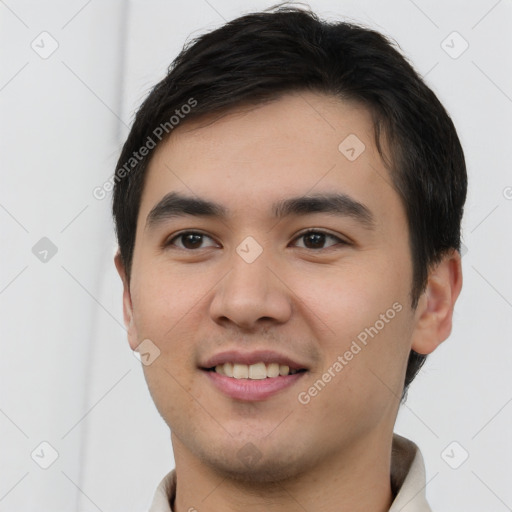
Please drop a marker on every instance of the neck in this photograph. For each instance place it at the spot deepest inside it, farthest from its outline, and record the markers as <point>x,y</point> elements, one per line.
<point>357,480</point>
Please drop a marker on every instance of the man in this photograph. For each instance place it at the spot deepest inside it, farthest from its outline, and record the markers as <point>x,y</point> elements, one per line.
<point>288,207</point>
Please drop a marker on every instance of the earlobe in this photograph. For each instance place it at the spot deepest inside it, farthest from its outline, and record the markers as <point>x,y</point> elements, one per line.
<point>435,308</point>
<point>127,302</point>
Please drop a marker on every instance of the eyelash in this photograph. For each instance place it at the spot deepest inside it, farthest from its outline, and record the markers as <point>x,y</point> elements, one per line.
<point>301,235</point>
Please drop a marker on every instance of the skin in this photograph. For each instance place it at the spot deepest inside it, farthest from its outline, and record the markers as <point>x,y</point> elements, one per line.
<point>309,303</point>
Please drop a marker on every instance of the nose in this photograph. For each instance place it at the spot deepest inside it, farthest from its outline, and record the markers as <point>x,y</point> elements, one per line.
<point>251,295</point>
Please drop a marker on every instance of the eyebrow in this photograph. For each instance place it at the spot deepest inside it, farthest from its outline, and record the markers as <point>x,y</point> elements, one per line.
<point>174,205</point>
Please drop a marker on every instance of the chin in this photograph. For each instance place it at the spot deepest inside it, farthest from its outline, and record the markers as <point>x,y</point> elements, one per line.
<point>264,471</point>
<point>253,463</point>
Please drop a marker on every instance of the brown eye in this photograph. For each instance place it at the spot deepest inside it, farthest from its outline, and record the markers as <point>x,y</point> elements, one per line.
<point>190,240</point>
<point>317,239</point>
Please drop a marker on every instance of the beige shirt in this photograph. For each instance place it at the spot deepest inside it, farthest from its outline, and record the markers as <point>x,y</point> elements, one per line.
<point>407,481</point>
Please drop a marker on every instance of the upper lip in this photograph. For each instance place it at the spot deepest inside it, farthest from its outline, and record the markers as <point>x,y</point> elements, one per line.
<point>256,356</point>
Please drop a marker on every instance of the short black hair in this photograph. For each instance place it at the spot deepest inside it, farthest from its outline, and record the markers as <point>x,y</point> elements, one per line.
<point>261,56</point>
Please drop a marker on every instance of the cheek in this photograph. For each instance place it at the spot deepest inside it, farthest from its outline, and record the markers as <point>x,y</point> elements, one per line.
<point>166,306</point>
<point>164,298</point>
<point>363,314</point>
<point>351,297</point>
<point>167,310</point>
<point>364,350</point>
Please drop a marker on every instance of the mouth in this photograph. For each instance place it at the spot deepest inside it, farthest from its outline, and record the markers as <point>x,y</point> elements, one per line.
<point>257,371</point>
<point>252,377</point>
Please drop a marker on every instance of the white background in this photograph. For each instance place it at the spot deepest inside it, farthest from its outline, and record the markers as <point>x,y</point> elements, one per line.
<point>67,374</point>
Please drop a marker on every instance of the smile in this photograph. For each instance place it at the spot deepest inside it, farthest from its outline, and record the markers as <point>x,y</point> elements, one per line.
<point>258,371</point>
<point>252,376</point>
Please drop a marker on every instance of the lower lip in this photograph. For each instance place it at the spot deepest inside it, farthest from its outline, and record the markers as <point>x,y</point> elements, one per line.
<point>252,390</point>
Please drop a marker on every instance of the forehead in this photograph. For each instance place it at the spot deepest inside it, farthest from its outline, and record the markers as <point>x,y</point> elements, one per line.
<point>250,158</point>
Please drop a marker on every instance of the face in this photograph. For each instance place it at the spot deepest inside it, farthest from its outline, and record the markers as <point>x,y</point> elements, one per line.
<point>302,261</point>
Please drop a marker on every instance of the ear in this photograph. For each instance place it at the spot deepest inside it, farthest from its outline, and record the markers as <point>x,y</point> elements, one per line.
<point>435,307</point>
<point>127,303</point>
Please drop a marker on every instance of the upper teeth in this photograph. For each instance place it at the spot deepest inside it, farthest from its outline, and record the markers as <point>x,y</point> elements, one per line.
<point>254,371</point>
